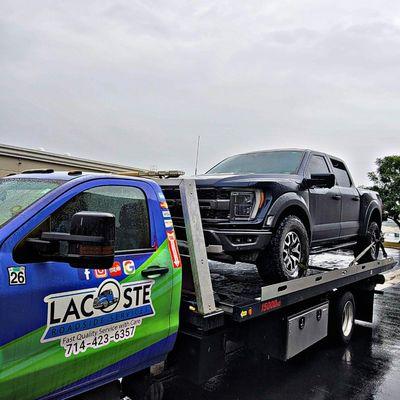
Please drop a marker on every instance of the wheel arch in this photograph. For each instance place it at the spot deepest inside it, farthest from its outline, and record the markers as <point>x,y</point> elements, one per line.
<point>290,204</point>
<point>376,216</point>
<point>373,214</point>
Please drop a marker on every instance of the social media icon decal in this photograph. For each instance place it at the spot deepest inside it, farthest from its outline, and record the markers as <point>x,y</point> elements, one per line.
<point>166,214</point>
<point>87,273</point>
<point>84,274</point>
<point>129,267</point>
<point>168,223</point>
<point>116,270</point>
<point>100,273</point>
<point>161,196</point>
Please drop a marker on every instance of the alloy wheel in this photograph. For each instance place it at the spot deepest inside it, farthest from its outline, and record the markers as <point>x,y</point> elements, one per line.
<point>292,253</point>
<point>374,242</point>
<point>347,318</point>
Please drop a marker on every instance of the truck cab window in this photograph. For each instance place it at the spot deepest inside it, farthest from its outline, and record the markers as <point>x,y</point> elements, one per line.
<point>342,176</point>
<point>129,206</point>
<point>18,194</point>
<point>318,165</point>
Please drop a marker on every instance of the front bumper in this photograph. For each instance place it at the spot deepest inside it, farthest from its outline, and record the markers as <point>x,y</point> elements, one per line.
<point>235,241</point>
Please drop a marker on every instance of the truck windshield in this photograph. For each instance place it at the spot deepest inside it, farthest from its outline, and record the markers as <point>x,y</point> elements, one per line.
<point>267,162</point>
<point>18,194</point>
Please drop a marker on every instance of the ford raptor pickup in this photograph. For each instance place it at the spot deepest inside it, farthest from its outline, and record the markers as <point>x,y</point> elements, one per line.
<point>272,208</point>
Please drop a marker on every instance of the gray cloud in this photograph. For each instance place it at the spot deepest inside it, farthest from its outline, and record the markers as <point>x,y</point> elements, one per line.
<point>136,81</point>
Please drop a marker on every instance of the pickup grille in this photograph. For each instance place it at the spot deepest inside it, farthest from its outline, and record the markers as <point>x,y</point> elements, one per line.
<point>214,203</point>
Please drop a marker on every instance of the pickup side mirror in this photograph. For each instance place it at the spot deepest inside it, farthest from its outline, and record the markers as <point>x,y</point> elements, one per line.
<point>320,181</point>
<point>90,243</point>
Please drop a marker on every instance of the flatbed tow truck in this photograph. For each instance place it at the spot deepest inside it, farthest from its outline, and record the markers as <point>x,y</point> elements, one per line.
<point>278,321</point>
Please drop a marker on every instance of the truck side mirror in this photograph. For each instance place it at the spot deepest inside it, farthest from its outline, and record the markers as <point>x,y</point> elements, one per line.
<point>96,246</point>
<point>320,181</point>
<point>90,243</point>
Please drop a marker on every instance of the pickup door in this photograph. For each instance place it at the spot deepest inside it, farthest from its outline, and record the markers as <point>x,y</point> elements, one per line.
<point>65,330</point>
<point>350,210</point>
<point>325,203</point>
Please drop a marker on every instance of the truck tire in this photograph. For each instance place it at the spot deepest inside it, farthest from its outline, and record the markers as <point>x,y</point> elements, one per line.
<point>286,256</point>
<point>141,386</point>
<point>373,234</point>
<point>341,318</point>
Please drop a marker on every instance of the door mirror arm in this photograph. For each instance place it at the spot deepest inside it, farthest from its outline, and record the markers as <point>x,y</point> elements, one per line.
<point>67,237</point>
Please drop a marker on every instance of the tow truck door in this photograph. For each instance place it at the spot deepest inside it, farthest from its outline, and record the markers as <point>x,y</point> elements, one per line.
<point>64,329</point>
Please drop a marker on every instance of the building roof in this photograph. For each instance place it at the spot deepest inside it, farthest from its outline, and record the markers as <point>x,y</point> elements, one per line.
<point>61,159</point>
<point>56,175</point>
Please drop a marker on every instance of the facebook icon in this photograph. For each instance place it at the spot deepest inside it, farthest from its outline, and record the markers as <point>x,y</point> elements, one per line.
<point>84,274</point>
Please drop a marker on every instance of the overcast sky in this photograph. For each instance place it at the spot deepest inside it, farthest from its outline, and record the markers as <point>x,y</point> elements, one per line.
<point>135,82</point>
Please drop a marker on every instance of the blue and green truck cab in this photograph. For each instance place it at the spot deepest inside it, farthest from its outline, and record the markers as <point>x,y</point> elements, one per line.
<point>90,282</point>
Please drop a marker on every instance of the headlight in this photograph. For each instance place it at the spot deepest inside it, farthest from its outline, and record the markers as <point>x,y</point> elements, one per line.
<point>242,204</point>
<point>245,205</point>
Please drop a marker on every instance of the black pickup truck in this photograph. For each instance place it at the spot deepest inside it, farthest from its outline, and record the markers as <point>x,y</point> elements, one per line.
<point>272,208</point>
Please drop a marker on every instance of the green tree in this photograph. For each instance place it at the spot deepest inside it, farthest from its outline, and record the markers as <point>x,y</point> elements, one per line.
<point>386,181</point>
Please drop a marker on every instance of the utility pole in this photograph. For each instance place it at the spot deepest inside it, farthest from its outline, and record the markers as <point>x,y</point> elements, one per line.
<point>197,155</point>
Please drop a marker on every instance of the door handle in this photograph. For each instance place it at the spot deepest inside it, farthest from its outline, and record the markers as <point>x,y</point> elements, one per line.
<point>154,271</point>
<point>336,197</point>
<point>355,198</point>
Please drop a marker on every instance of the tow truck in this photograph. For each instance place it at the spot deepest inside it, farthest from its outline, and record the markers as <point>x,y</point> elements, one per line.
<point>104,300</point>
<point>68,238</point>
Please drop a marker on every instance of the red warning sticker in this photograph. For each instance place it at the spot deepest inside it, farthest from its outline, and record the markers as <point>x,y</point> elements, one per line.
<point>173,250</point>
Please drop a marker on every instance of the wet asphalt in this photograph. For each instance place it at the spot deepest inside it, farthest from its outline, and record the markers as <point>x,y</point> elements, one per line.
<point>368,368</point>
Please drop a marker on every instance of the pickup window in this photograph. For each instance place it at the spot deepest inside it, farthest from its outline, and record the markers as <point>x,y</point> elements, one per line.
<point>265,162</point>
<point>342,176</point>
<point>127,203</point>
<point>318,165</point>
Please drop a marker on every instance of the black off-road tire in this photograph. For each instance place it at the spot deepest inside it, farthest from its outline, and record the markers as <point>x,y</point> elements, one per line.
<point>373,233</point>
<point>339,331</point>
<point>270,262</point>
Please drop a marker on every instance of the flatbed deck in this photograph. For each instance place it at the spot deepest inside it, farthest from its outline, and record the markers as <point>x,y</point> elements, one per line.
<point>244,296</point>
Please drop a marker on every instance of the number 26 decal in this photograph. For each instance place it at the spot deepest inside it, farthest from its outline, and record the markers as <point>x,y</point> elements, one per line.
<point>16,276</point>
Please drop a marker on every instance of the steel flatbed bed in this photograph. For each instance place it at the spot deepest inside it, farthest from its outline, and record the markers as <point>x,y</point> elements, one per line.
<point>273,297</point>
